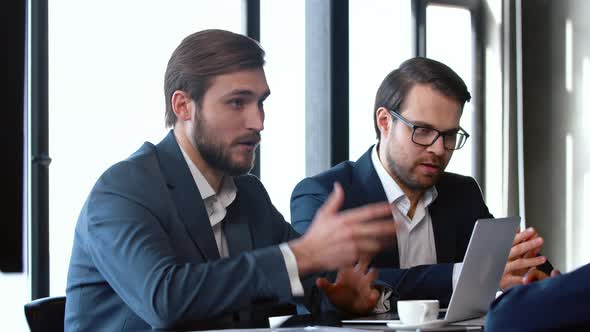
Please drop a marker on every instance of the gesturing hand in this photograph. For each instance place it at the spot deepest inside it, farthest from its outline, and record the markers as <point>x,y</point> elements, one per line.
<point>522,257</point>
<point>353,291</point>
<point>338,239</point>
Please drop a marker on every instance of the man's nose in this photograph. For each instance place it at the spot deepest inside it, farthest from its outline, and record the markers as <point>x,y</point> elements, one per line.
<point>438,147</point>
<point>255,118</point>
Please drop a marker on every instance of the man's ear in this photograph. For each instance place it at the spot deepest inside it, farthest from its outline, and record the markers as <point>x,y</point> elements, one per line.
<point>383,123</point>
<point>182,104</point>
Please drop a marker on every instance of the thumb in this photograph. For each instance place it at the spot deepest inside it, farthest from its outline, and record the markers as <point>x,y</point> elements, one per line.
<point>533,275</point>
<point>335,200</point>
<point>323,284</point>
<point>374,297</point>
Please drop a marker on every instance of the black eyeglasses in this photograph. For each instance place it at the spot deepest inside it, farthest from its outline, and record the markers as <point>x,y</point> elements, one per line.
<point>425,136</point>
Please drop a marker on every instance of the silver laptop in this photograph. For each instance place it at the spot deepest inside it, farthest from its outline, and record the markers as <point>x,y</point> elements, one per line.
<point>480,276</point>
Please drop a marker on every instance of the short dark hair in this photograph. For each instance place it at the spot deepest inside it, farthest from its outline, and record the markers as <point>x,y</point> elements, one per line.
<point>419,70</point>
<point>204,55</point>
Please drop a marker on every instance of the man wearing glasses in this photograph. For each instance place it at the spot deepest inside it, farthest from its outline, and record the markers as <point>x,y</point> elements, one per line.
<point>417,111</point>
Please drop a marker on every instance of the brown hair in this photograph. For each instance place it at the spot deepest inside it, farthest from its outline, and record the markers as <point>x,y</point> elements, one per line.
<point>396,85</point>
<point>204,55</point>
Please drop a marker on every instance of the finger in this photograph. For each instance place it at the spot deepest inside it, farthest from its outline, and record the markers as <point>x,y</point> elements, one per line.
<point>532,253</point>
<point>524,263</point>
<point>529,278</point>
<point>368,300</point>
<point>533,275</point>
<point>373,298</point>
<point>334,201</point>
<point>379,230</point>
<point>367,212</point>
<point>524,247</point>
<point>524,235</point>
<point>363,263</point>
<point>323,283</point>
<point>370,245</point>
<point>343,273</point>
<point>555,273</point>
<point>365,305</point>
<point>367,246</point>
<point>510,281</point>
<point>371,276</point>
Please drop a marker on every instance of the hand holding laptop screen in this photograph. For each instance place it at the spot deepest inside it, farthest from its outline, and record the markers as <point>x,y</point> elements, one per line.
<point>522,258</point>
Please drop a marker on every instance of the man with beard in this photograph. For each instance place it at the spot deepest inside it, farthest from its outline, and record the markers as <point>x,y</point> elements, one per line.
<point>417,111</point>
<point>180,236</point>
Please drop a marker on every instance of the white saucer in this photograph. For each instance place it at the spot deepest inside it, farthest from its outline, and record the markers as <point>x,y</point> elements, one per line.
<point>397,324</point>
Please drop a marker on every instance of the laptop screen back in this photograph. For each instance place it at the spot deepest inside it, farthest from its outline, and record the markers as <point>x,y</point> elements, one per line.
<point>483,267</point>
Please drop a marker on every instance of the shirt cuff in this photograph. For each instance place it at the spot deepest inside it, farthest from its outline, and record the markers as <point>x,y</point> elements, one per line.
<point>456,272</point>
<point>292,270</point>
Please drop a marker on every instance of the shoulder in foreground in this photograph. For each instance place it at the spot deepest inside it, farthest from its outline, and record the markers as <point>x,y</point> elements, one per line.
<point>141,164</point>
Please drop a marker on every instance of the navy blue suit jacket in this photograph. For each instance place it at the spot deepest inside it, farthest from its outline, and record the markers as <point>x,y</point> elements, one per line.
<point>144,254</point>
<point>559,303</point>
<point>454,212</point>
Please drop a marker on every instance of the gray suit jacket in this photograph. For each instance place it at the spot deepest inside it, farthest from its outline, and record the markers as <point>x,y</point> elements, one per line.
<point>144,254</point>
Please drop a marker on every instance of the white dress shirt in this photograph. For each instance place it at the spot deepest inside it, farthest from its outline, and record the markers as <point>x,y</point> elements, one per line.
<point>216,205</point>
<point>415,236</point>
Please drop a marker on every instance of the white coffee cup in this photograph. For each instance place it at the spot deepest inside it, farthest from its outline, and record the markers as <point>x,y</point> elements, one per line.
<point>415,312</point>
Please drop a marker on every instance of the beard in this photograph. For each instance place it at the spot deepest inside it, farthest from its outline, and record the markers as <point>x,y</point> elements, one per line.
<point>217,154</point>
<point>407,176</point>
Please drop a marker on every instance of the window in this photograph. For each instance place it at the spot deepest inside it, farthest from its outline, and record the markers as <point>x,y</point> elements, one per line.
<point>449,40</point>
<point>15,291</point>
<point>282,162</point>
<point>380,40</point>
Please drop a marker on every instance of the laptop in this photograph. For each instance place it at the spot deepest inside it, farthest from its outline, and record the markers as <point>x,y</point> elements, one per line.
<point>479,278</point>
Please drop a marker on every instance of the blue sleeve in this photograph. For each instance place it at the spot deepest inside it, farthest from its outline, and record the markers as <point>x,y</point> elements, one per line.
<point>558,303</point>
<point>307,197</point>
<point>420,282</point>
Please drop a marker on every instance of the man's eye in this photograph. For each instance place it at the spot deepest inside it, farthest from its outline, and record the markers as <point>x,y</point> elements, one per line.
<point>236,103</point>
<point>422,131</point>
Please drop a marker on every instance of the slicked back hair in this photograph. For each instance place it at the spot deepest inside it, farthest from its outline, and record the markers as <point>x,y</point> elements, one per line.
<point>203,55</point>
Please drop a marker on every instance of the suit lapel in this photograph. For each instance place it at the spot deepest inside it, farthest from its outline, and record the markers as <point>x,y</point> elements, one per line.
<point>367,188</point>
<point>443,227</point>
<point>187,197</point>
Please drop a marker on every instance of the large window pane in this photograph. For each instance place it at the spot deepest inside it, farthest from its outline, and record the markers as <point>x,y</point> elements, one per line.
<point>449,40</point>
<point>106,75</point>
<point>380,39</point>
<point>282,35</point>
<point>15,291</point>
<point>493,113</point>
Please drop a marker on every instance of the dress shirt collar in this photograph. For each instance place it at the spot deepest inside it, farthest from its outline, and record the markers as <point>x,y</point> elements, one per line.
<point>226,195</point>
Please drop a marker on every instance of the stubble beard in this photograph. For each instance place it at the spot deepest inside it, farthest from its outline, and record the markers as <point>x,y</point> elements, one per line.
<point>406,176</point>
<point>216,154</point>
